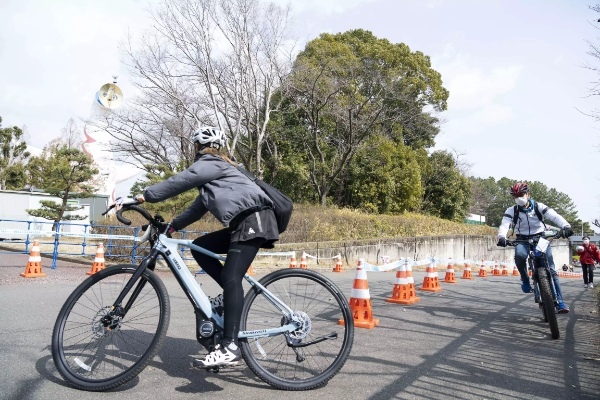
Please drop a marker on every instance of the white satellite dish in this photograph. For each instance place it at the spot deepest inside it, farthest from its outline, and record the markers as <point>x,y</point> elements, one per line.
<point>110,96</point>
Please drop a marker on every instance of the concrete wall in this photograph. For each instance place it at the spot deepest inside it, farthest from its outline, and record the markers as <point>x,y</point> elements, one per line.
<point>458,247</point>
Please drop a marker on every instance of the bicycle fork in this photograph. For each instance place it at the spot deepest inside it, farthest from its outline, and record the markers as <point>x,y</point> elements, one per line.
<point>117,312</point>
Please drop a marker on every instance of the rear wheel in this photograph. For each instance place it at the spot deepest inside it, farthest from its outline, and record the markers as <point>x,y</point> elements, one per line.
<point>96,349</point>
<point>549,309</point>
<point>320,306</point>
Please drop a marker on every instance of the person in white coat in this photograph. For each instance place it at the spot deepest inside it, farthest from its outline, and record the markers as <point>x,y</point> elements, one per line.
<point>529,223</point>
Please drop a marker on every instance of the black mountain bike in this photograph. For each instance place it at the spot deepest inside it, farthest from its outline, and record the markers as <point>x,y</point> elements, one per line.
<point>543,284</point>
<point>115,321</point>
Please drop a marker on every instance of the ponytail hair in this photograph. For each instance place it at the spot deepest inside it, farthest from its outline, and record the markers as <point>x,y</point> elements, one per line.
<point>219,153</point>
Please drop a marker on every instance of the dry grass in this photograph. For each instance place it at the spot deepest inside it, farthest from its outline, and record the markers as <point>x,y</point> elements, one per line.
<point>310,223</point>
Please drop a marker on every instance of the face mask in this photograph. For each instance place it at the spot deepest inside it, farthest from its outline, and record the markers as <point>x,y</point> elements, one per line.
<point>521,201</point>
<point>586,242</point>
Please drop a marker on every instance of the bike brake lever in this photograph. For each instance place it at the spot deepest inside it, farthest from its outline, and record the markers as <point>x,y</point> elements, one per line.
<point>108,209</point>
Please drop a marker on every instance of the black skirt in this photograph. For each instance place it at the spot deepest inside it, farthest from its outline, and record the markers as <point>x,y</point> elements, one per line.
<point>260,224</point>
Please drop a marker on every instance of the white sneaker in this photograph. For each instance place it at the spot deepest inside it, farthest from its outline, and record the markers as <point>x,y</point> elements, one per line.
<point>591,285</point>
<point>220,356</point>
<point>585,285</point>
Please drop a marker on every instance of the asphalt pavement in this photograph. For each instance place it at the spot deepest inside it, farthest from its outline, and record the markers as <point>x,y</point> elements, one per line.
<point>476,339</point>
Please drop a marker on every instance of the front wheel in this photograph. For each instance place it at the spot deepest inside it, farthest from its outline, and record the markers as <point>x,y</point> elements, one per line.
<point>546,295</point>
<point>544,313</point>
<point>324,312</point>
<point>97,349</point>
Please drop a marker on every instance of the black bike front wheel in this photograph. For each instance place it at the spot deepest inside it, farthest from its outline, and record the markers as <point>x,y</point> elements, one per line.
<point>323,342</point>
<point>544,313</point>
<point>548,302</point>
<point>93,355</point>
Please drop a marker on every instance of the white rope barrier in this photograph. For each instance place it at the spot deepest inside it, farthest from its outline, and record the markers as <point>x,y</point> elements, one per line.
<point>277,253</point>
<point>67,234</point>
<point>305,254</point>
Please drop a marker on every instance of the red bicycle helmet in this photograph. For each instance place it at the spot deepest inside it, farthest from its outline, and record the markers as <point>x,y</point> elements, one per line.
<point>519,189</point>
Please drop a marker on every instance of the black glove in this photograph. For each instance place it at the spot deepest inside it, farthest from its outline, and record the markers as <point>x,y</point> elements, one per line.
<point>501,242</point>
<point>567,232</point>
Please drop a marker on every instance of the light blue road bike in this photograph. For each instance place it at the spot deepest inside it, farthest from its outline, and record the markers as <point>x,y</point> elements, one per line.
<point>296,330</point>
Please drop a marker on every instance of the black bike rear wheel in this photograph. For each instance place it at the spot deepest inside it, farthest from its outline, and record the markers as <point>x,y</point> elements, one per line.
<point>549,309</point>
<point>321,306</point>
<point>92,356</point>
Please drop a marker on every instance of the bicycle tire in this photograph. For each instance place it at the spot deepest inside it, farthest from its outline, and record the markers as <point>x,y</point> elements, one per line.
<point>549,308</point>
<point>89,356</point>
<point>270,358</point>
<point>544,313</point>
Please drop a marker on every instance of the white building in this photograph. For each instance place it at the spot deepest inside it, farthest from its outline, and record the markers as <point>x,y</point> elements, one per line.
<point>14,205</point>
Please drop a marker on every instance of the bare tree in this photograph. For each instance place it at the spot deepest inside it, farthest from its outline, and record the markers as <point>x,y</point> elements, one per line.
<point>205,62</point>
<point>70,137</point>
<point>594,51</point>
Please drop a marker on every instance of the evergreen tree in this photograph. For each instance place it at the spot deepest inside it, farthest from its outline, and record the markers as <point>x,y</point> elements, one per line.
<point>13,152</point>
<point>65,173</point>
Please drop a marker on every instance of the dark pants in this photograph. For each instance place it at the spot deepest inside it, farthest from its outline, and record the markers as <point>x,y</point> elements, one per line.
<point>229,276</point>
<point>521,254</point>
<point>588,273</point>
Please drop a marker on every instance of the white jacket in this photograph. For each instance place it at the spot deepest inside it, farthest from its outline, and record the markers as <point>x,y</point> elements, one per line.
<point>529,223</point>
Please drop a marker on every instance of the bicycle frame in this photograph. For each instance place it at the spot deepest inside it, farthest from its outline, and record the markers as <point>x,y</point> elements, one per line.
<point>168,248</point>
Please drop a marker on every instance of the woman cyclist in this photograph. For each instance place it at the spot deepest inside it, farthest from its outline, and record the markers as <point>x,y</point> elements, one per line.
<point>249,224</point>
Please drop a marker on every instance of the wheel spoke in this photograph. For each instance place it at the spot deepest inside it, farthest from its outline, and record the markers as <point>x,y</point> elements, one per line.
<point>319,308</point>
<point>92,356</point>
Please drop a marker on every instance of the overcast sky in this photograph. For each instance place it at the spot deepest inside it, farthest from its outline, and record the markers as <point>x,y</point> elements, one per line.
<point>514,70</point>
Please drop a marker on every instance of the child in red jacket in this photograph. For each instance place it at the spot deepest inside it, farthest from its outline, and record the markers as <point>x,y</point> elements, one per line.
<point>587,257</point>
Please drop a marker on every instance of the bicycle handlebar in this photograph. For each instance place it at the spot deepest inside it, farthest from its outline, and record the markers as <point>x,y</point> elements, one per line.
<point>550,237</point>
<point>130,207</point>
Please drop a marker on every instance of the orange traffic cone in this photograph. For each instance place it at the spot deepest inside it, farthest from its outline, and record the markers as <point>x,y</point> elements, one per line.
<point>504,269</point>
<point>467,272</point>
<point>496,269</point>
<point>293,262</point>
<point>338,264</point>
<point>516,271</point>
<point>450,277</point>
<point>98,264</point>
<point>431,283</point>
<point>404,287</point>
<point>360,301</point>
<point>34,265</point>
<point>303,264</point>
<point>482,270</point>
<point>250,270</point>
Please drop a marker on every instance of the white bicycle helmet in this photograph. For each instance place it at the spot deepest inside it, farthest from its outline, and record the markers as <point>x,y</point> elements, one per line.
<point>209,137</point>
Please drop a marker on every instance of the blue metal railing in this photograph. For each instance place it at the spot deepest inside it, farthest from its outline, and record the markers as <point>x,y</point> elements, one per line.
<point>114,239</point>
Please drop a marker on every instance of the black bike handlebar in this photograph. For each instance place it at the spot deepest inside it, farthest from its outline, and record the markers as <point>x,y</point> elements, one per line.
<point>555,235</point>
<point>130,207</point>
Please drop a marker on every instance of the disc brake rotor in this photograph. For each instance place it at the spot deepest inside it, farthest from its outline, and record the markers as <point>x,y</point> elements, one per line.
<point>304,323</point>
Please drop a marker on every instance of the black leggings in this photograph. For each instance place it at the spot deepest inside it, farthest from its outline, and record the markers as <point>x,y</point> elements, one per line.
<point>229,276</point>
<point>588,273</point>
